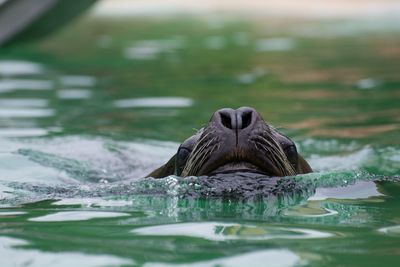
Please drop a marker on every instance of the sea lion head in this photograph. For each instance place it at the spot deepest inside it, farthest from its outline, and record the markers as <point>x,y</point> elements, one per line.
<point>235,141</point>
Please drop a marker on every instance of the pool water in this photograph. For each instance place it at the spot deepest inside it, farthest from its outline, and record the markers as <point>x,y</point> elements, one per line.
<point>88,112</point>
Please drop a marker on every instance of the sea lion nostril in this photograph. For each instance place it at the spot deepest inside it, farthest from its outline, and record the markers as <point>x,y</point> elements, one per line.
<point>226,120</point>
<point>246,119</point>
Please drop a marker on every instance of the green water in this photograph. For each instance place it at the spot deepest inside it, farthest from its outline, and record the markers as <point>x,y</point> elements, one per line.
<point>87,112</point>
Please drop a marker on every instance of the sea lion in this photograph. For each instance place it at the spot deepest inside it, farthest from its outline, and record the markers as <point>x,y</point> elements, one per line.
<point>235,141</point>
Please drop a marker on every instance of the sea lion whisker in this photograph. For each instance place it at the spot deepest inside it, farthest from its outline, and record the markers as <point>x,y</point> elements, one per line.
<point>199,160</point>
<point>279,159</point>
<point>199,147</point>
<point>276,146</point>
<point>202,140</point>
<point>199,157</point>
<point>237,139</point>
<point>204,147</point>
<point>271,155</point>
<point>208,151</point>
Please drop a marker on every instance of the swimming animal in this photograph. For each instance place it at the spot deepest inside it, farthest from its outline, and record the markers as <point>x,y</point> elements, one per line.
<point>235,141</point>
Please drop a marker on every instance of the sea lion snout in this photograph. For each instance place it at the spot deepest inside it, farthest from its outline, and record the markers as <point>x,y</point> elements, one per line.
<point>235,120</point>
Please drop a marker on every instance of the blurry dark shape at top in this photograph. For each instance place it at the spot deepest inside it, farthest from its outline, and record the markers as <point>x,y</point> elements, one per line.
<point>27,20</point>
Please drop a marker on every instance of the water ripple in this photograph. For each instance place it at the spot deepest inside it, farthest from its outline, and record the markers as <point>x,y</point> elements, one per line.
<point>22,132</point>
<point>77,80</point>
<point>74,93</point>
<point>19,67</point>
<point>230,231</point>
<point>274,258</point>
<point>93,202</point>
<point>76,216</point>
<point>13,253</point>
<point>25,113</point>
<point>10,85</point>
<point>164,102</point>
<point>391,230</point>
<point>11,213</point>
<point>24,102</point>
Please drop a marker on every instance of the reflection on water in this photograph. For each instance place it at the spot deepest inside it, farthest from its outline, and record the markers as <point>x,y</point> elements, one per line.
<point>272,257</point>
<point>152,49</point>
<point>25,113</point>
<point>312,209</point>
<point>10,85</point>
<point>27,105</point>
<point>11,213</point>
<point>24,102</point>
<point>224,232</point>
<point>275,44</point>
<point>251,77</point>
<point>22,132</point>
<point>93,202</point>
<point>13,253</point>
<point>391,230</point>
<point>76,216</point>
<point>154,102</point>
<point>19,67</point>
<point>241,38</point>
<point>368,83</point>
<point>215,42</point>
<point>77,80</point>
<point>358,190</point>
<point>74,94</point>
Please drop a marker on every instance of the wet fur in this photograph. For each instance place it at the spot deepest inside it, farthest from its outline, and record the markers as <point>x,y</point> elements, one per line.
<point>262,143</point>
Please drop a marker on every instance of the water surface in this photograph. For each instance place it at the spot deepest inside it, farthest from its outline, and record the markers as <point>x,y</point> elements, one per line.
<point>82,121</point>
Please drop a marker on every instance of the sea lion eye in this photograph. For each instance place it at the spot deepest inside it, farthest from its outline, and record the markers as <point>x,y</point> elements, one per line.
<point>291,154</point>
<point>181,158</point>
<point>184,151</point>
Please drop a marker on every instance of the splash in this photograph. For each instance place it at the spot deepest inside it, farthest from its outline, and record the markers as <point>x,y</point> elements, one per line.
<point>92,168</point>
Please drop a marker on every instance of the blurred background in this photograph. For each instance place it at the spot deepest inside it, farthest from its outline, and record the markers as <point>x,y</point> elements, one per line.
<point>158,69</point>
